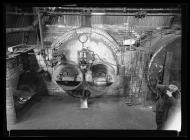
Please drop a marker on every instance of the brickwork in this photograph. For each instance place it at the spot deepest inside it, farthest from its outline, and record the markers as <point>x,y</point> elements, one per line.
<point>15,67</point>
<point>13,70</point>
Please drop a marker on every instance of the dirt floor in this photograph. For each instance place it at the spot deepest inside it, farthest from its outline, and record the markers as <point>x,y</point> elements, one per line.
<point>63,112</point>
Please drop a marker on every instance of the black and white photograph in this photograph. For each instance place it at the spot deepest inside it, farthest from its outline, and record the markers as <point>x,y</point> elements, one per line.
<point>79,67</point>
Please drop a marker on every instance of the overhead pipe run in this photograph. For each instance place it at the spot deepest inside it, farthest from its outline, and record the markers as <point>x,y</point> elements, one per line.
<point>113,11</point>
<point>116,9</point>
<point>21,14</point>
<point>110,14</point>
<point>96,14</point>
<point>108,11</point>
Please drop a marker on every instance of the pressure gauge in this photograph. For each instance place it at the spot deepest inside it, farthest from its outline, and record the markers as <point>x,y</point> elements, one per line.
<point>83,38</point>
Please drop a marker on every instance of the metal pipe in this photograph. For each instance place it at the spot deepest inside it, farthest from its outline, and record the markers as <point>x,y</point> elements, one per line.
<point>95,9</point>
<point>122,9</point>
<point>110,14</point>
<point>22,14</point>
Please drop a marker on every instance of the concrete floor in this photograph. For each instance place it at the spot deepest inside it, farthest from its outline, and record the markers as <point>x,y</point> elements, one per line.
<point>63,112</point>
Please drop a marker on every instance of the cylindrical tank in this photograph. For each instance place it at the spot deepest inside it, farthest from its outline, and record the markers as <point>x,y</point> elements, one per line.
<point>156,69</point>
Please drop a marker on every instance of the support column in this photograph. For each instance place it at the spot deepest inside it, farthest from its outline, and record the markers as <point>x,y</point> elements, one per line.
<point>40,27</point>
<point>167,67</point>
<point>121,79</point>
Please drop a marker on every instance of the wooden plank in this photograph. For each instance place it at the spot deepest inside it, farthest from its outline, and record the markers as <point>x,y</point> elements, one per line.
<point>110,14</point>
<point>167,67</point>
<point>22,14</point>
<point>22,29</point>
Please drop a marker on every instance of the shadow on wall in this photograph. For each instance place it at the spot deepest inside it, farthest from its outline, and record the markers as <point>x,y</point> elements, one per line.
<point>29,61</point>
<point>31,83</point>
<point>31,87</point>
<point>30,77</point>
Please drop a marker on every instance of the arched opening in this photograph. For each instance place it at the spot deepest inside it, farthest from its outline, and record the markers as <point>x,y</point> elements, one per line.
<point>100,74</point>
<point>67,77</point>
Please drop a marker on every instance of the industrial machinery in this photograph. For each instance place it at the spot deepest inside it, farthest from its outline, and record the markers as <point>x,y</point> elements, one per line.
<point>87,52</point>
<point>165,64</point>
<point>84,62</point>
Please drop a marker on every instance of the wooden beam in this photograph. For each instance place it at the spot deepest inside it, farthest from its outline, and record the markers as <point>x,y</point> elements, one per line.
<point>106,13</point>
<point>117,9</point>
<point>37,30</point>
<point>22,14</point>
<point>40,27</point>
<point>23,29</point>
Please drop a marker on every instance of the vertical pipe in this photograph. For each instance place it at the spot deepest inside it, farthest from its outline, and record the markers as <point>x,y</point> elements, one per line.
<point>150,38</point>
<point>40,27</point>
<point>121,81</point>
<point>36,30</point>
<point>166,78</point>
<point>23,34</point>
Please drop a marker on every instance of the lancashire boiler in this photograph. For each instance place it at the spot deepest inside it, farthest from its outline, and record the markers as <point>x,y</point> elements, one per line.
<point>84,61</point>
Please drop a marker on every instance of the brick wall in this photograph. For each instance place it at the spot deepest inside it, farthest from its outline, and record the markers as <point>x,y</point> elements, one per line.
<point>13,70</point>
<point>16,77</point>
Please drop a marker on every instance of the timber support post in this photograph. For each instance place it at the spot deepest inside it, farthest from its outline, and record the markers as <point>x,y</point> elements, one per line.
<point>40,27</point>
